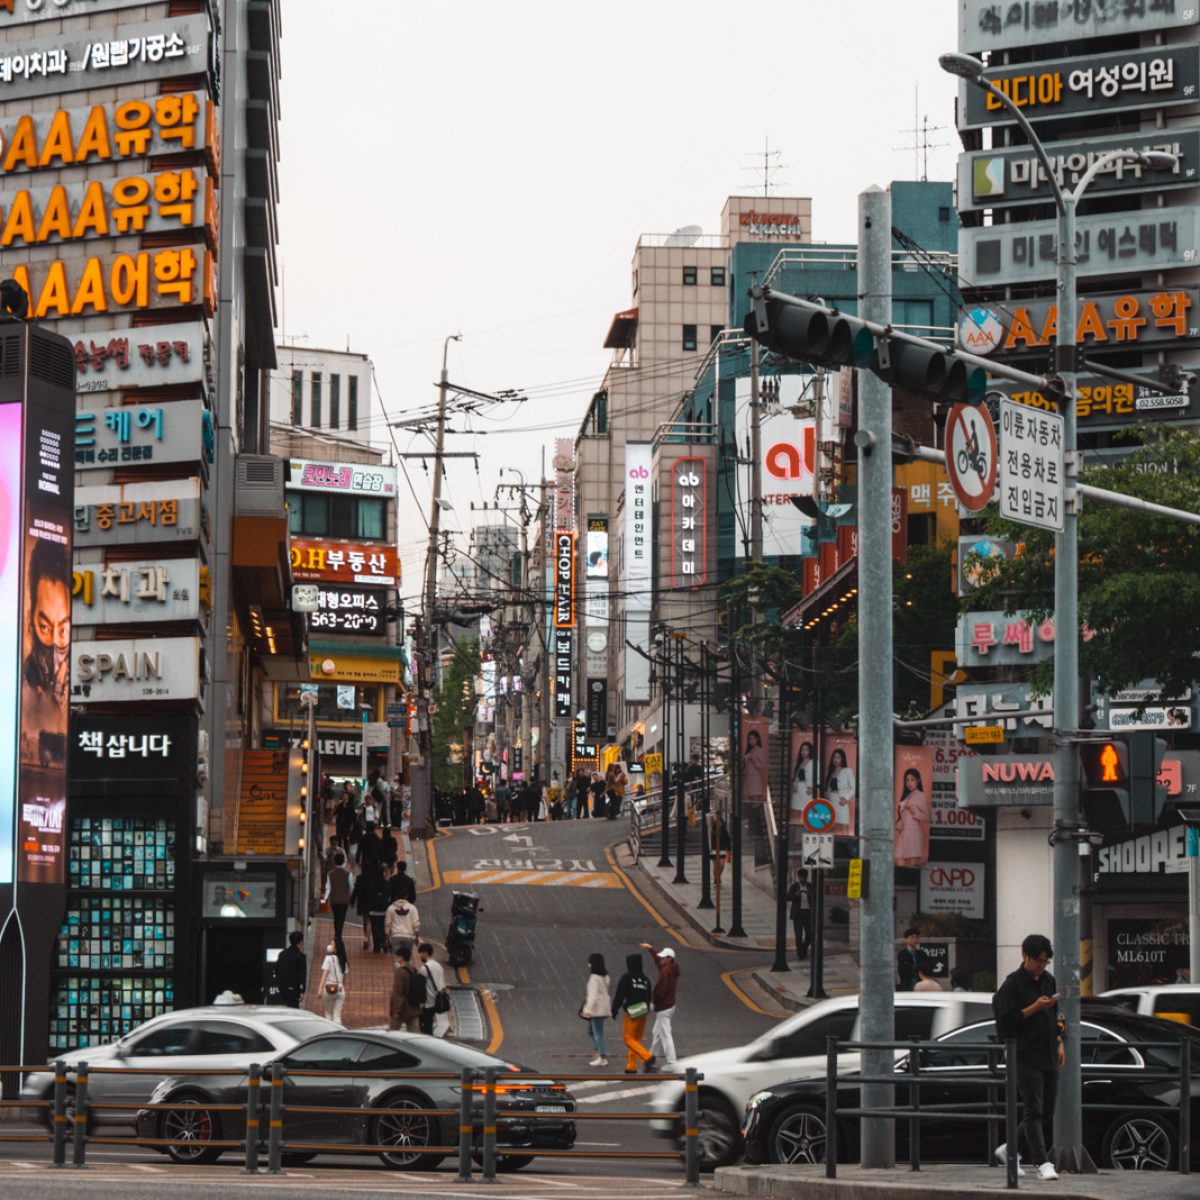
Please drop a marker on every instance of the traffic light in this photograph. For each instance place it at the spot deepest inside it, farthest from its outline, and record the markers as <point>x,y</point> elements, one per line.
<point>806,331</point>
<point>937,374</point>
<point>1120,781</point>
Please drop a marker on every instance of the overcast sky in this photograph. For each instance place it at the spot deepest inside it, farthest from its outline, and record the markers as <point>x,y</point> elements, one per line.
<point>487,166</point>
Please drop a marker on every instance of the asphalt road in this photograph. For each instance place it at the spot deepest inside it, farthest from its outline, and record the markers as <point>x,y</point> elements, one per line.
<point>551,894</point>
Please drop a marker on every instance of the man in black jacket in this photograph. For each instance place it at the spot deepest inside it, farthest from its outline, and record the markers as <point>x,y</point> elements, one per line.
<point>291,971</point>
<point>908,962</point>
<point>1026,1008</point>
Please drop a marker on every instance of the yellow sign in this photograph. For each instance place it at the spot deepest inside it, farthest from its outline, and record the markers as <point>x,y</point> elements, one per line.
<point>983,735</point>
<point>653,764</point>
<point>353,668</point>
<point>854,879</point>
<point>608,756</point>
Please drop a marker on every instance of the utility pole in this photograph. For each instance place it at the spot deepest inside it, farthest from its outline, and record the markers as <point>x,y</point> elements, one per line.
<point>874,439</point>
<point>422,822</point>
<point>756,500</point>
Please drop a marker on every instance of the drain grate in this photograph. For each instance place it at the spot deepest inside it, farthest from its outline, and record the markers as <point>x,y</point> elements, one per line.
<point>467,1009</point>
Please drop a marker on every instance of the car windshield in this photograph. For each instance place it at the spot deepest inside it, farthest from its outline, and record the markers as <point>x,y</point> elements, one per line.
<point>300,1029</point>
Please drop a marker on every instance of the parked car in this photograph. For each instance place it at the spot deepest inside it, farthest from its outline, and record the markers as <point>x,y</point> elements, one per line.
<point>795,1049</point>
<point>375,1108</point>
<point>126,1071</point>
<point>786,1123</point>
<point>1174,1001</point>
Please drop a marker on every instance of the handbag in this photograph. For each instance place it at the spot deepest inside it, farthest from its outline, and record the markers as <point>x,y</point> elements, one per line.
<point>441,1002</point>
<point>638,1010</point>
<point>333,986</point>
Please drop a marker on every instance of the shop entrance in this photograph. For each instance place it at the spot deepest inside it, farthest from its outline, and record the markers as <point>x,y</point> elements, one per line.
<point>234,959</point>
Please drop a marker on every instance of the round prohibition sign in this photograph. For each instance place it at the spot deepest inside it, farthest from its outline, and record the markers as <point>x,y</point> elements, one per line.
<point>971,455</point>
<point>817,815</point>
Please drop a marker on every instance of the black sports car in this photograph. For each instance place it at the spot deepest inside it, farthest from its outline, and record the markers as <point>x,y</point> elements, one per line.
<point>365,1110</point>
<point>786,1124</point>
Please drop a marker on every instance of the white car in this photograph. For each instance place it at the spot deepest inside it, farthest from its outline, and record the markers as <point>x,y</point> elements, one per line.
<point>1174,1001</point>
<point>795,1049</point>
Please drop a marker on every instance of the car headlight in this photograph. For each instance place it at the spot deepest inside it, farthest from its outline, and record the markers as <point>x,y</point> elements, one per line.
<point>757,1099</point>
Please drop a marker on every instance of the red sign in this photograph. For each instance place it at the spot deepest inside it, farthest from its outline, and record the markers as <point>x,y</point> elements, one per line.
<point>971,455</point>
<point>344,562</point>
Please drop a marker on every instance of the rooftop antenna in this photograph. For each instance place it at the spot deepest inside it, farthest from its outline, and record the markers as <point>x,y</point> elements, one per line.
<point>771,166</point>
<point>922,145</point>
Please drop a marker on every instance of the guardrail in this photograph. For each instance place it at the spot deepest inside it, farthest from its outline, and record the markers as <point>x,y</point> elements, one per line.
<point>1000,1073</point>
<point>478,1125</point>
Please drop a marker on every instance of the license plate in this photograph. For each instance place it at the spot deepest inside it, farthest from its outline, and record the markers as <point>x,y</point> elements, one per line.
<point>562,1108</point>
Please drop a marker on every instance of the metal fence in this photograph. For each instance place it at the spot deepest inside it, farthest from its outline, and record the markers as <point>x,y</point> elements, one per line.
<point>71,1112</point>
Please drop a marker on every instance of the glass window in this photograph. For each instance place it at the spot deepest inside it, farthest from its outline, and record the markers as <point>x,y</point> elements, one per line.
<point>689,337</point>
<point>287,702</point>
<point>944,212</point>
<point>297,397</point>
<point>301,1029</point>
<point>341,516</point>
<point>716,276</point>
<point>689,276</point>
<point>1099,1047</point>
<point>714,332</point>
<point>809,1040</point>
<point>314,514</point>
<point>913,1021</point>
<point>225,1037</point>
<point>955,1049</point>
<point>329,1054</point>
<point>352,403</point>
<point>315,394</point>
<point>335,401</point>
<point>387,1058</point>
<point>166,1039</point>
<point>370,518</point>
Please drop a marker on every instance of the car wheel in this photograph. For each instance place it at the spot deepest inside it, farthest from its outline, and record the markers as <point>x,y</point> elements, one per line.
<point>407,1132</point>
<point>192,1127</point>
<point>797,1136</point>
<point>720,1138</point>
<point>1140,1143</point>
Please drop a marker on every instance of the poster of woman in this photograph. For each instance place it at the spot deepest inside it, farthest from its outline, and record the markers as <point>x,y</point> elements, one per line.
<point>838,782</point>
<point>913,807</point>
<point>755,758</point>
<point>803,772</point>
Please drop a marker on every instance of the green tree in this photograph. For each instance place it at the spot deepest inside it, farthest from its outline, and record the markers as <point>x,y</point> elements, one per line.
<point>455,713</point>
<point>1139,574</point>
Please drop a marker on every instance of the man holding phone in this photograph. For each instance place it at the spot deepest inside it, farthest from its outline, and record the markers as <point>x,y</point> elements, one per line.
<point>1026,1008</point>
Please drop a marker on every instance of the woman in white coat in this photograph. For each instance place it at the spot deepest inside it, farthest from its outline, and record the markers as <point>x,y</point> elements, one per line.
<point>597,1007</point>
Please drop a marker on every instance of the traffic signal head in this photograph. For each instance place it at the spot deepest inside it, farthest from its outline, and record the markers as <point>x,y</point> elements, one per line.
<point>806,331</point>
<point>1120,781</point>
<point>939,375</point>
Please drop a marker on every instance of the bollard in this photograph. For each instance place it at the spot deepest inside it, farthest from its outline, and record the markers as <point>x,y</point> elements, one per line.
<point>1185,1110</point>
<point>465,1110</point>
<point>58,1114</point>
<point>81,1115</point>
<point>1010,1112</point>
<point>914,1100</point>
<point>831,1083</point>
<point>253,1083</point>
<point>489,1125</point>
<point>275,1123</point>
<point>992,1139</point>
<point>691,1128</point>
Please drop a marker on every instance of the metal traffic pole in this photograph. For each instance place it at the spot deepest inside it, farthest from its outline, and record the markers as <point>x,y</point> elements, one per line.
<point>706,900</point>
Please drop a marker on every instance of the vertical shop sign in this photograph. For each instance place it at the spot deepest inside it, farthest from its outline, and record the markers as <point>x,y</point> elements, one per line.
<point>689,514</point>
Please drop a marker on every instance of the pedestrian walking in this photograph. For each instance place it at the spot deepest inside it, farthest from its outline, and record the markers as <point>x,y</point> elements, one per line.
<point>433,1021</point>
<point>401,884</point>
<point>389,847</point>
<point>633,996</point>
<point>370,847</point>
<point>408,994</point>
<point>333,984</point>
<point>800,901</point>
<point>662,1000</point>
<point>1026,1008</point>
<point>908,960</point>
<point>402,924</point>
<point>343,818</point>
<point>598,789</point>
<point>596,1007</point>
<point>503,800</point>
<point>338,888</point>
<point>291,971</point>
<point>370,901</point>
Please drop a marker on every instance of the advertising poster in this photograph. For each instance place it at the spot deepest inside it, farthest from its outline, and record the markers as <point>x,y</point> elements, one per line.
<point>45,640</point>
<point>756,759</point>
<point>914,805</point>
<point>800,788</point>
<point>1147,950</point>
<point>840,782</point>
<point>10,633</point>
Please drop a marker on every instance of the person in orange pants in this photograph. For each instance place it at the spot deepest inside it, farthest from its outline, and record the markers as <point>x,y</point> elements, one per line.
<point>633,996</point>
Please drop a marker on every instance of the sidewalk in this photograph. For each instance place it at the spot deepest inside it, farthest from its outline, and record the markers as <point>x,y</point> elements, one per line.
<point>758,920</point>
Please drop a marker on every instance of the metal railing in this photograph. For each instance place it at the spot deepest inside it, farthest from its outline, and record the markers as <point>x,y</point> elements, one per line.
<point>999,1074</point>
<point>477,1130</point>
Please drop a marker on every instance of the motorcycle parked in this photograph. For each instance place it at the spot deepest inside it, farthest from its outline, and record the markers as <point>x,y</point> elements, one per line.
<point>460,937</point>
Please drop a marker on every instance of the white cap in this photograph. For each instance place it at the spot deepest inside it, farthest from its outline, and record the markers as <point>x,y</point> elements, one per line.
<point>666,952</point>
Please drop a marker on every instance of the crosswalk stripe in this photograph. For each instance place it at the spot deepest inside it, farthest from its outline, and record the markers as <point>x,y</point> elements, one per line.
<point>584,879</point>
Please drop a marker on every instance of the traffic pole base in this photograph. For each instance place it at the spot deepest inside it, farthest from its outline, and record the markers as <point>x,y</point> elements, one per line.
<point>1072,1160</point>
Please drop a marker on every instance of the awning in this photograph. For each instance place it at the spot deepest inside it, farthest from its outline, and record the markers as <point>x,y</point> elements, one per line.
<point>622,333</point>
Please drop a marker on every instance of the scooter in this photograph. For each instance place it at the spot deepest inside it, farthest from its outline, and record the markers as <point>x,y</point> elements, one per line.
<point>460,937</point>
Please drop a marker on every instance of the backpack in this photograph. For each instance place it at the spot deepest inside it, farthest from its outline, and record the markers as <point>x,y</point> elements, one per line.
<point>416,989</point>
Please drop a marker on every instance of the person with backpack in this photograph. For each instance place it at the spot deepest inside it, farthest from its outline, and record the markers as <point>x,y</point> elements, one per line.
<point>435,1020</point>
<point>408,994</point>
<point>633,996</point>
<point>402,924</point>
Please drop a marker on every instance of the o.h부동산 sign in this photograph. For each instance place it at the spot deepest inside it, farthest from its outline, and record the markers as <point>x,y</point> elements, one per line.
<point>1002,24</point>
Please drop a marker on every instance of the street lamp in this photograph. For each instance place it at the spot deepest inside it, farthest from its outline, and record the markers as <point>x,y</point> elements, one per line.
<point>1069,1152</point>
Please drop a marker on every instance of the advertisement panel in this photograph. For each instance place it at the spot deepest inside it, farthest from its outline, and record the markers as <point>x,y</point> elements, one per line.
<point>354,668</point>
<point>350,610</point>
<point>564,580</point>
<point>1154,239</point>
<point>950,823</point>
<point>1009,705</point>
<point>564,644</point>
<point>595,596</point>
<point>131,669</point>
<point>10,635</point>
<point>838,778</point>
<point>596,723</point>
<point>756,758</point>
<point>998,639</point>
<point>953,888</point>
<point>995,780</point>
<point>1147,950</point>
<point>1001,178</point>
<point>913,805</point>
<point>317,561</point>
<point>1109,404</point>
<point>147,746</point>
<point>689,522</point>
<point>121,592</point>
<point>178,431</point>
<point>121,514</point>
<point>789,448</point>
<point>1099,84</point>
<point>986,25</point>
<point>636,560</point>
<point>45,606</point>
<point>79,60</point>
<point>126,359</point>
<point>342,479</point>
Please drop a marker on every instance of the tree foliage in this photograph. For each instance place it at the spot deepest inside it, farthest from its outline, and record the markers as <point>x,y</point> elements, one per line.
<point>455,700</point>
<point>1139,574</point>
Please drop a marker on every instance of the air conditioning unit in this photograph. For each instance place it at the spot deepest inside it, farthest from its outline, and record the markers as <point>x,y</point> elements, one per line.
<point>259,489</point>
